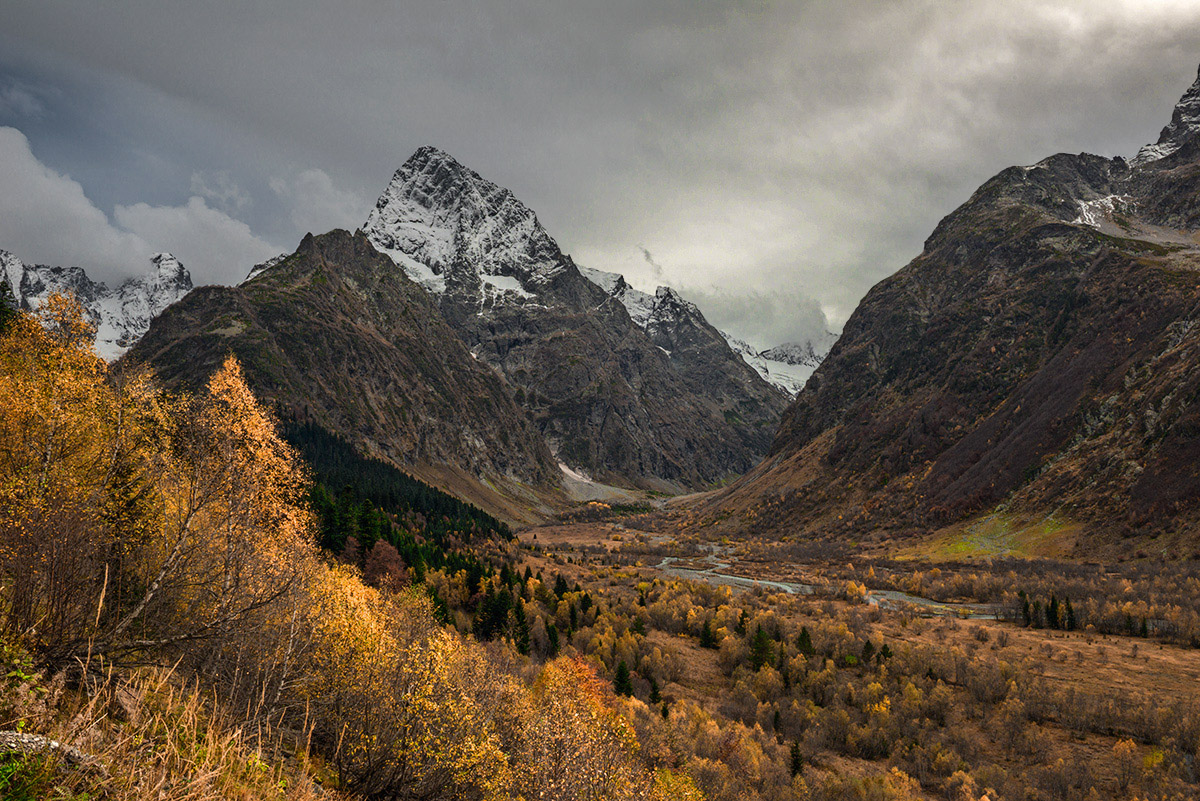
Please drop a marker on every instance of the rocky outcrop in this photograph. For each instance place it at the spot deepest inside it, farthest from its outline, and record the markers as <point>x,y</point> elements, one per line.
<point>25,743</point>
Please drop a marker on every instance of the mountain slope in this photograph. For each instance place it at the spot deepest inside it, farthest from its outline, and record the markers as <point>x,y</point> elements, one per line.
<point>608,398</point>
<point>335,335</point>
<point>703,356</point>
<point>120,315</point>
<point>1041,357</point>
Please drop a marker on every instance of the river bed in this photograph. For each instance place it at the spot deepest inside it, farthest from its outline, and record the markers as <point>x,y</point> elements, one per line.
<point>885,599</point>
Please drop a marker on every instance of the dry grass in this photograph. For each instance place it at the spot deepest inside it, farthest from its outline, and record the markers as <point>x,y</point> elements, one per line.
<point>148,735</point>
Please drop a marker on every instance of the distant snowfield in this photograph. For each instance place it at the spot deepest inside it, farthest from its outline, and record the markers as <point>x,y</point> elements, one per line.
<point>786,366</point>
<point>120,315</point>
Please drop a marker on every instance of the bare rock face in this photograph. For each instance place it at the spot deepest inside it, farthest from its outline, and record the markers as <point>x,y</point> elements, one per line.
<point>654,402</point>
<point>119,315</point>
<point>1041,355</point>
<point>334,334</point>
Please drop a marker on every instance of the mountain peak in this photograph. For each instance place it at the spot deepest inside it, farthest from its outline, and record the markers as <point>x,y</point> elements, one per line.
<point>436,212</point>
<point>429,154</point>
<point>1183,127</point>
<point>167,266</point>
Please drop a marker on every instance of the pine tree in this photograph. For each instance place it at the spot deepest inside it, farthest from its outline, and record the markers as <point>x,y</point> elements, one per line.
<point>665,713</point>
<point>8,304</point>
<point>1070,616</point>
<point>868,652</point>
<point>708,639</point>
<point>741,624</point>
<point>521,629</point>
<point>1052,612</point>
<point>552,639</point>
<point>760,649</point>
<point>655,694</point>
<point>623,683</point>
<point>804,642</point>
<point>560,586</point>
<point>797,760</point>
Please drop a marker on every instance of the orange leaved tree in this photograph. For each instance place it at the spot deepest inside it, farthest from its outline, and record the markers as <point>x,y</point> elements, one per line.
<point>130,520</point>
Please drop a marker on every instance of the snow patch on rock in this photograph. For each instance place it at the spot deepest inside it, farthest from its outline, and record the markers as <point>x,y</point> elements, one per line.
<point>1094,213</point>
<point>261,268</point>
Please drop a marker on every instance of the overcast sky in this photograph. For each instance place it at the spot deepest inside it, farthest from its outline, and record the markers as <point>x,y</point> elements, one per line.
<point>770,160</point>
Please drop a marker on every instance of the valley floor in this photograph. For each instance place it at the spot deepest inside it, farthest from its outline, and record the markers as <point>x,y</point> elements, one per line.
<point>983,691</point>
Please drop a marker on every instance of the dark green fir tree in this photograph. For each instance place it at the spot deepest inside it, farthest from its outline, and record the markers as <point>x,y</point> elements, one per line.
<point>623,682</point>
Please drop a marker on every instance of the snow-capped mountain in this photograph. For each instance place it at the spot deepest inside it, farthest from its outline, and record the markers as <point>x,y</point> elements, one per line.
<point>663,310</point>
<point>484,225</point>
<point>1184,125</point>
<point>787,366</point>
<point>120,315</point>
<point>643,390</point>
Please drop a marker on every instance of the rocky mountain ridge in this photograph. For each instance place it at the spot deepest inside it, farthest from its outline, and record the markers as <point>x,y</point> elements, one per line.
<point>122,314</point>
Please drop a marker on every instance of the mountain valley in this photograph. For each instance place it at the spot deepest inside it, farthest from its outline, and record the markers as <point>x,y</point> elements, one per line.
<point>426,510</point>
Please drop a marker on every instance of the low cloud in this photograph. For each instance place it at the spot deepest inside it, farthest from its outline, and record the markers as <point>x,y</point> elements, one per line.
<point>210,243</point>
<point>317,205</point>
<point>46,218</point>
<point>221,190</point>
<point>20,100</point>
<point>764,319</point>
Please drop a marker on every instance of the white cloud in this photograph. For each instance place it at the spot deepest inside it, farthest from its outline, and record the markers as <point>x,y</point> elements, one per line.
<point>215,247</point>
<point>317,205</point>
<point>46,218</point>
<point>220,189</point>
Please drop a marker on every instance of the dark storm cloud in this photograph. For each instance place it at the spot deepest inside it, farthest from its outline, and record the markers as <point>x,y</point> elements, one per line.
<point>766,154</point>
